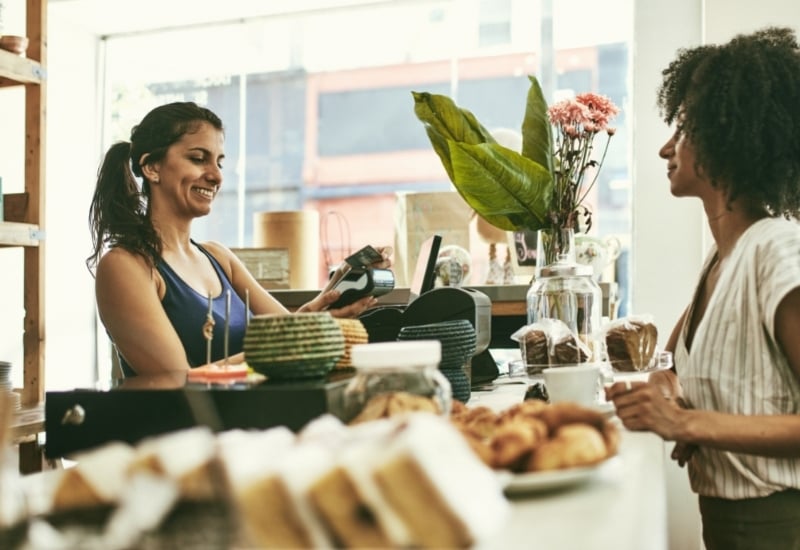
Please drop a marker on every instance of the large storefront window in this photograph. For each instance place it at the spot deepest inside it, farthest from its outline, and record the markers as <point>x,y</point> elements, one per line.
<point>319,113</point>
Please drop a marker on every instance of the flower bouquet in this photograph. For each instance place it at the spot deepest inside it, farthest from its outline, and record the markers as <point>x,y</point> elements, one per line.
<point>541,187</point>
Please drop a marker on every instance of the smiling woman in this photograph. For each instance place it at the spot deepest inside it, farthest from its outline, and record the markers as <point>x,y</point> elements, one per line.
<point>168,302</point>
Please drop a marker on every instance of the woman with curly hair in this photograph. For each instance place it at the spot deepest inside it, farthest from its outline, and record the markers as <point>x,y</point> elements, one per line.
<point>161,295</point>
<point>732,403</point>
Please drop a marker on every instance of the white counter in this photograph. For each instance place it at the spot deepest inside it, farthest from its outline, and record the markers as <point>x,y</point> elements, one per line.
<point>622,507</point>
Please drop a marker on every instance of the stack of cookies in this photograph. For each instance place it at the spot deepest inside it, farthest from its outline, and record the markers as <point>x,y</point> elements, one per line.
<point>293,346</point>
<point>354,332</point>
<point>458,340</point>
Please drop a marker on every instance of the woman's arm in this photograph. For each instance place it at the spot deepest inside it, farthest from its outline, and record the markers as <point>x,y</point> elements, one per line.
<point>129,305</point>
<point>262,302</point>
<point>645,407</point>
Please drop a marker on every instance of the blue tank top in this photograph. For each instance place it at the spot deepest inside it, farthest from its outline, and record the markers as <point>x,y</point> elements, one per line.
<point>187,310</point>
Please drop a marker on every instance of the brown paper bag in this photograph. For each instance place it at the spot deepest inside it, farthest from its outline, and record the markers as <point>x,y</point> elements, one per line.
<point>420,215</point>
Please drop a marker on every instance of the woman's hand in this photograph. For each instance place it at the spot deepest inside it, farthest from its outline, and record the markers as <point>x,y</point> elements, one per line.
<point>643,406</point>
<point>386,254</point>
<point>325,299</point>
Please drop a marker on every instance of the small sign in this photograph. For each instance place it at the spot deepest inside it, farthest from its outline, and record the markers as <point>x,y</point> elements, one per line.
<point>270,266</point>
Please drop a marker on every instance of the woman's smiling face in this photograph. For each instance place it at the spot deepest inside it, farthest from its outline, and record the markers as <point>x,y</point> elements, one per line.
<point>190,174</point>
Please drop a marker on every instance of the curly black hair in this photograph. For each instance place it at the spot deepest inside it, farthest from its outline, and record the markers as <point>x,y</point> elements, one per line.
<point>739,105</point>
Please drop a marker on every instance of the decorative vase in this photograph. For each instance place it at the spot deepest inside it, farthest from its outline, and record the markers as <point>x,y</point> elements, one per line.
<point>553,245</point>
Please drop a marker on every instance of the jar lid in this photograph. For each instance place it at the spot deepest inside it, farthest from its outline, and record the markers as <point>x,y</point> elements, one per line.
<point>566,270</point>
<point>396,354</point>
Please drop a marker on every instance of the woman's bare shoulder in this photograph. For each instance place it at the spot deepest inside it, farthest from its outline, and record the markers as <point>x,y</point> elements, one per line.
<point>119,262</point>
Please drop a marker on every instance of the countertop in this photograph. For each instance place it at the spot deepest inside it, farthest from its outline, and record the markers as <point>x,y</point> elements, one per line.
<point>623,506</point>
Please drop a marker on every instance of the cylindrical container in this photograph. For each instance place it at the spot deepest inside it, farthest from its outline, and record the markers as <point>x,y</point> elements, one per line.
<point>568,292</point>
<point>298,232</point>
<point>396,377</point>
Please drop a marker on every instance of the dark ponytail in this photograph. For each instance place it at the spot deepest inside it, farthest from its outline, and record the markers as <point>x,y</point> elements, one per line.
<point>120,211</point>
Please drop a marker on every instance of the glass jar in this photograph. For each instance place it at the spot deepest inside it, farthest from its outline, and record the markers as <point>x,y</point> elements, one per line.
<point>567,291</point>
<point>410,366</point>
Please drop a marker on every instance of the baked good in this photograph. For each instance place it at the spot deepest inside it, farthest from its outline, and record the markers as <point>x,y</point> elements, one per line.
<point>187,457</point>
<point>513,442</point>
<point>347,499</point>
<point>98,477</point>
<point>445,496</point>
<point>389,404</point>
<point>250,462</point>
<point>631,344</point>
<point>569,350</point>
<point>533,435</point>
<point>572,445</point>
<point>534,347</point>
<point>401,482</point>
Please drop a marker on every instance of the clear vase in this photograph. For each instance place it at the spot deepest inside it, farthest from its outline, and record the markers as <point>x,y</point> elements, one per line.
<point>554,245</point>
<point>564,289</point>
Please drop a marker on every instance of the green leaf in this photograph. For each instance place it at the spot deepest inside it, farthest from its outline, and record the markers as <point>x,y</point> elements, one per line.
<point>445,121</point>
<point>508,190</point>
<point>537,136</point>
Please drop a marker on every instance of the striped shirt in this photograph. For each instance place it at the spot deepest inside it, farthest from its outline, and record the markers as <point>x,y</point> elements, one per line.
<point>735,365</point>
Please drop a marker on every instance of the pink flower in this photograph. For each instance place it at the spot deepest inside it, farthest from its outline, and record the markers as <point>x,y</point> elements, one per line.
<point>568,112</point>
<point>601,109</point>
<point>577,122</point>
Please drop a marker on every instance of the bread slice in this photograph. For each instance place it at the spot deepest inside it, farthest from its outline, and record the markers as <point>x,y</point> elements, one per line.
<point>631,344</point>
<point>263,503</point>
<point>347,499</point>
<point>188,457</point>
<point>444,494</point>
<point>98,477</point>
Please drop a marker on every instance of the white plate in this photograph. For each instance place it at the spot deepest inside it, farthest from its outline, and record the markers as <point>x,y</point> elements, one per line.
<point>538,482</point>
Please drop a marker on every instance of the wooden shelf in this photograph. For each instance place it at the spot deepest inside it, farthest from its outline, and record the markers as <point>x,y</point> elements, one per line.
<point>25,213</point>
<point>19,234</point>
<point>15,70</point>
<point>28,422</point>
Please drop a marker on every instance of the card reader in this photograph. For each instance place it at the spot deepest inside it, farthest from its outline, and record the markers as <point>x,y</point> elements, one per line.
<point>360,282</point>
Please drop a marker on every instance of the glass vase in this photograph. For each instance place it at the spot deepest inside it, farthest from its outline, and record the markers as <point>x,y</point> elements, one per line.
<point>553,245</point>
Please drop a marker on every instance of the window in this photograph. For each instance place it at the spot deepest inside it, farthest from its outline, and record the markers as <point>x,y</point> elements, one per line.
<point>318,108</point>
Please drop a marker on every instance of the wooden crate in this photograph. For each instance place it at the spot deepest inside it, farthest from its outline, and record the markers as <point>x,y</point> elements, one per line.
<point>270,266</point>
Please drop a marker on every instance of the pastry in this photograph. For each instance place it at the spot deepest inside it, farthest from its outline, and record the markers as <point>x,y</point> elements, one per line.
<point>631,344</point>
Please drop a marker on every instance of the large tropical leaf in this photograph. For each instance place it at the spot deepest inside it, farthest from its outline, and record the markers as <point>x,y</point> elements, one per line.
<point>510,191</point>
<point>537,137</point>
<point>445,121</point>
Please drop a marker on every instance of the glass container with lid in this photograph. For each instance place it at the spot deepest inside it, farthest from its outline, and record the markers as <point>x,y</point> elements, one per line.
<point>567,291</point>
<point>392,376</point>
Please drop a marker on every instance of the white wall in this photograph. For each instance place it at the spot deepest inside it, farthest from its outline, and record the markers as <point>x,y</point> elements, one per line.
<point>72,157</point>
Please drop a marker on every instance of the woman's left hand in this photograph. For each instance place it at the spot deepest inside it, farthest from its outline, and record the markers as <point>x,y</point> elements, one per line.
<point>642,406</point>
<point>386,255</point>
<point>325,299</point>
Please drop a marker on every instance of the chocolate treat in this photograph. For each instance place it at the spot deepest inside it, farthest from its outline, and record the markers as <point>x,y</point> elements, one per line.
<point>534,348</point>
<point>568,351</point>
<point>631,345</point>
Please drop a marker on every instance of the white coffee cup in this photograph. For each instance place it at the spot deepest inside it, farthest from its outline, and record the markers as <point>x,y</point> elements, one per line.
<point>577,383</point>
